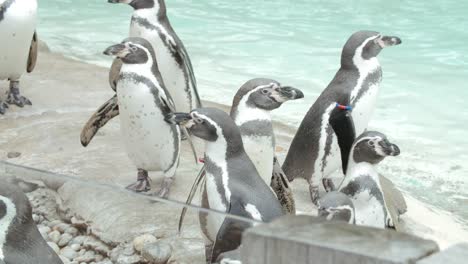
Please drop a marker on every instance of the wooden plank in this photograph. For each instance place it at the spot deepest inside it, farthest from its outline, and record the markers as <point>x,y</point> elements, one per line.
<point>307,240</point>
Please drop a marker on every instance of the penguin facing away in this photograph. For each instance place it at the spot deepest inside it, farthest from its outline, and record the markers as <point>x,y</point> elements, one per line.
<point>150,22</point>
<point>362,183</point>
<point>232,183</point>
<point>336,206</point>
<point>327,133</point>
<point>18,46</point>
<point>151,142</point>
<point>20,240</point>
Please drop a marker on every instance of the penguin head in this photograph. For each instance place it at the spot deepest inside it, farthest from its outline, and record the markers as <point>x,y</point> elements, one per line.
<point>336,206</point>
<point>209,124</point>
<point>266,94</point>
<point>132,51</point>
<point>15,208</point>
<point>136,4</point>
<point>373,147</point>
<point>364,45</point>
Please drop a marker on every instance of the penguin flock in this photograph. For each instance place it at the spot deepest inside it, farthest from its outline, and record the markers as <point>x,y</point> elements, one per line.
<point>158,104</point>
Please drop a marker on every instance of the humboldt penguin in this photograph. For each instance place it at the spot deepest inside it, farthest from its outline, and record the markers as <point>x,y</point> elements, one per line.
<point>232,183</point>
<point>341,112</point>
<point>18,46</point>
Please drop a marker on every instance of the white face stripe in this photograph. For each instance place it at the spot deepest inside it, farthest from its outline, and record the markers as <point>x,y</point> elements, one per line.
<point>247,113</point>
<point>216,151</point>
<point>253,211</point>
<point>5,222</point>
<point>365,67</point>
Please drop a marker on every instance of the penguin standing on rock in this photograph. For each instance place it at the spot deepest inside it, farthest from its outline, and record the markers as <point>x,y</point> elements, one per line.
<point>20,241</point>
<point>151,142</point>
<point>327,132</point>
<point>18,46</point>
<point>150,21</point>
<point>232,183</point>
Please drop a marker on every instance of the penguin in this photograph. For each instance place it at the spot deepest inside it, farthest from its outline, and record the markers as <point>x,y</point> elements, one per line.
<point>20,240</point>
<point>327,132</point>
<point>336,206</point>
<point>18,47</point>
<point>250,110</point>
<point>363,184</point>
<point>232,184</point>
<point>150,21</point>
<point>151,142</point>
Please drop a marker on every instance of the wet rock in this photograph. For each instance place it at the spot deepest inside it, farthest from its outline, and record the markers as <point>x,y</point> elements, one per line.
<point>13,154</point>
<point>157,253</point>
<point>54,246</point>
<point>68,252</point>
<point>65,239</point>
<point>54,236</point>
<point>140,241</point>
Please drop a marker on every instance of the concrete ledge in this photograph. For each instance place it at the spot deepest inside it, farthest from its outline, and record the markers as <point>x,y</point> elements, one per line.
<point>307,240</point>
<point>457,254</point>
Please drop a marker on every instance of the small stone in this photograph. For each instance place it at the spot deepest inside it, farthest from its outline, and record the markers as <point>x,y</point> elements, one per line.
<point>87,257</point>
<point>61,227</point>
<point>54,236</point>
<point>54,223</point>
<point>36,218</point>
<point>105,261</point>
<point>13,154</point>
<point>65,239</point>
<point>54,246</point>
<point>72,231</point>
<point>140,241</point>
<point>64,260</point>
<point>129,259</point>
<point>82,252</point>
<point>78,240</point>
<point>128,250</point>
<point>75,247</point>
<point>157,253</point>
<point>44,230</point>
<point>96,245</point>
<point>99,258</point>
<point>68,253</point>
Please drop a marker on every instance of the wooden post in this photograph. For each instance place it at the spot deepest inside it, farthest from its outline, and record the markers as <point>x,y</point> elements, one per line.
<point>307,240</point>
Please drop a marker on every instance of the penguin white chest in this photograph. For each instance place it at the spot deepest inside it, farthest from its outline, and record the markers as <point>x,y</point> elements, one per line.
<point>150,141</point>
<point>16,33</point>
<point>173,74</point>
<point>5,222</point>
<point>215,201</point>
<point>260,150</point>
<point>368,210</point>
<point>364,108</point>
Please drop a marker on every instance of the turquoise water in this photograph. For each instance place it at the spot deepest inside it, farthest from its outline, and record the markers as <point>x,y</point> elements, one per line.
<point>298,42</point>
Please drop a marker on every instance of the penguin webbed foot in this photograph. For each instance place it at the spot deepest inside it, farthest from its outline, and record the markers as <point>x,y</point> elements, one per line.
<point>3,107</point>
<point>14,97</point>
<point>142,184</point>
<point>165,188</point>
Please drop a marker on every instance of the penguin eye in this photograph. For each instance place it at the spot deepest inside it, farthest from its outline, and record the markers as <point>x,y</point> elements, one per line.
<point>370,143</point>
<point>133,48</point>
<point>198,120</point>
<point>265,91</point>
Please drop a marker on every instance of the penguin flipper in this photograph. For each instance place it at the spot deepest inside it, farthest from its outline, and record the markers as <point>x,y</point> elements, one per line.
<point>32,59</point>
<point>230,234</point>
<point>193,191</point>
<point>343,125</point>
<point>114,73</point>
<point>106,112</point>
<point>280,186</point>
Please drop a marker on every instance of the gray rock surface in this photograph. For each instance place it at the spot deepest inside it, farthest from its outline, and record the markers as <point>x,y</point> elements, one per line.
<point>157,253</point>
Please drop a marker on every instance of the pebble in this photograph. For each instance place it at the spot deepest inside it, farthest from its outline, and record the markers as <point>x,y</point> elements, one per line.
<point>72,231</point>
<point>128,259</point>
<point>68,253</point>
<point>87,257</point>
<point>36,218</point>
<point>13,154</point>
<point>96,245</point>
<point>64,260</point>
<point>157,253</point>
<point>82,251</point>
<point>54,236</point>
<point>54,223</point>
<point>61,227</point>
<point>65,239</point>
<point>78,240</point>
<point>75,247</point>
<point>99,258</point>
<point>140,241</point>
<point>54,246</point>
<point>44,230</point>
<point>105,261</point>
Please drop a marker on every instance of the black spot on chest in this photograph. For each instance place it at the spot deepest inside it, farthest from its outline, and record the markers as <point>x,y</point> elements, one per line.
<point>2,209</point>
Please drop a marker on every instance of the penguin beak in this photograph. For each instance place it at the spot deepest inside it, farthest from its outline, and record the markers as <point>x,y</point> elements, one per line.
<point>119,50</point>
<point>389,148</point>
<point>178,118</point>
<point>286,93</point>
<point>387,41</point>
